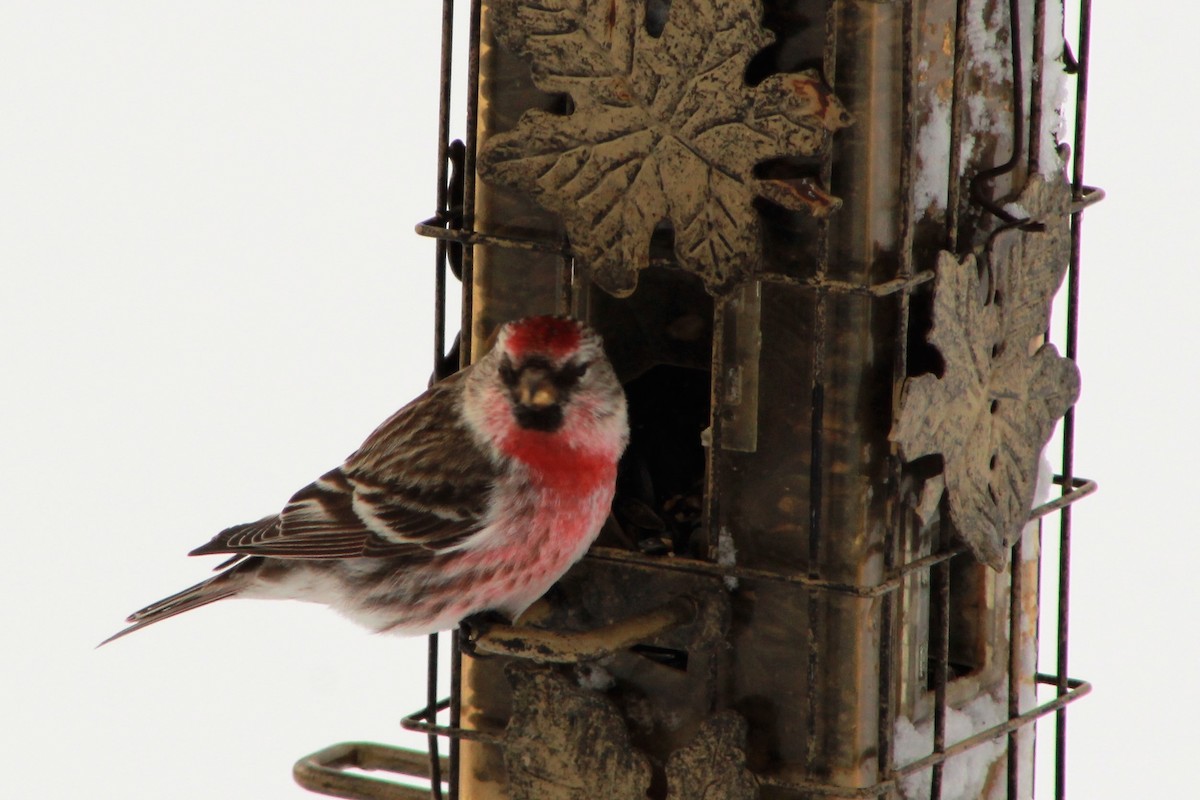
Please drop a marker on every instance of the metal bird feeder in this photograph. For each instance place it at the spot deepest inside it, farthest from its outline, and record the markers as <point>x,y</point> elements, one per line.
<point>821,240</point>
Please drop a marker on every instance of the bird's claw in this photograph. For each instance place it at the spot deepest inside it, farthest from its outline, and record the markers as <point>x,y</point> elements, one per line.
<point>472,628</point>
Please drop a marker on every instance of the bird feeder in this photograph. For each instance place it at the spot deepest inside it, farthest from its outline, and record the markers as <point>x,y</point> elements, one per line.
<point>821,241</point>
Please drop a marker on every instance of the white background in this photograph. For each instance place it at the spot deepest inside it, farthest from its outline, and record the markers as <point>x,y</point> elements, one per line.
<point>211,292</point>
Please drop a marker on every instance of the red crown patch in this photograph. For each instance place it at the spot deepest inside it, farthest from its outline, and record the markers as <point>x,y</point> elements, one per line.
<point>556,336</point>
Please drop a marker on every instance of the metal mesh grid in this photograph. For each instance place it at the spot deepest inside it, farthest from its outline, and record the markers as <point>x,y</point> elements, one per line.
<point>456,238</point>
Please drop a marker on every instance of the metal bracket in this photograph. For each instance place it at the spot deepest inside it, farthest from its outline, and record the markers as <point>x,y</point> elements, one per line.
<point>325,771</point>
<point>562,647</point>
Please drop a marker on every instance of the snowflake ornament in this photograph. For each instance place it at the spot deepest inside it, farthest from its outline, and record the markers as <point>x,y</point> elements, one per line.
<point>714,764</point>
<point>993,410</point>
<point>663,128</point>
<point>568,743</point>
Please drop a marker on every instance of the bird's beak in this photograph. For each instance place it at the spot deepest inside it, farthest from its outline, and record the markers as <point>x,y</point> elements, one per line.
<point>537,401</point>
<point>534,389</point>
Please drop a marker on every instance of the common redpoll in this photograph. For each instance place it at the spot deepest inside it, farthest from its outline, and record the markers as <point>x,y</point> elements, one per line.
<point>477,496</point>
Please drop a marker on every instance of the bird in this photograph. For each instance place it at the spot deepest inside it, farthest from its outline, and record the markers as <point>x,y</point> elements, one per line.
<point>472,500</point>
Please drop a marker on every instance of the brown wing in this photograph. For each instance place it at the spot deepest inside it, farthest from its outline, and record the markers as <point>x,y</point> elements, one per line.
<point>418,485</point>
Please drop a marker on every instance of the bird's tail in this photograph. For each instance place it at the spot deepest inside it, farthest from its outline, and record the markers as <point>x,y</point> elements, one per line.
<point>218,587</point>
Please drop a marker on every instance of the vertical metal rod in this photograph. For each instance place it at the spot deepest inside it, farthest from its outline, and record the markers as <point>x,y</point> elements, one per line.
<point>1018,121</point>
<point>712,468</point>
<point>907,226</point>
<point>1015,619</point>
<point>1036,79</point>
<point>1064,577</point>
<point>815,599</point>
<point>468,269</point>
<point>820,324</point>
<point>954,179</point>
<point>466,333</point>
<point>566,292</point>
<point>431,702</point>
<point>941,666</point>
<point>446,71</point>
<point>816,483</point>
<point>439,308</point>
<point>890,601</point>
<point>439,340</point>
<point>455,710</point>
<point>816,429</point>
<point>443,145</point>
<point>1072,343</point>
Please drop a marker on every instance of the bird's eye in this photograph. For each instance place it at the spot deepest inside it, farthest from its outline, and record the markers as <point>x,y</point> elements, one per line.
<point>570,373</point>
<point>507,373</point>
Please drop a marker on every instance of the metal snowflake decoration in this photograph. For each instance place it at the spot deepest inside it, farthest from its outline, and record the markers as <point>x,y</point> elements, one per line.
<point>564,742</point>
<point>995,407</point>
<point>568,743</point>
<point>713,766</point>
<point>663,128</point>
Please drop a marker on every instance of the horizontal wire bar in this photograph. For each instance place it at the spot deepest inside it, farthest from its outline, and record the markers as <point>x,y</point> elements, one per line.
<point>1078,689</point>
<point>1087,196</point>
<point>420,721</point>
<point>1081,488</point>
<point>845,287</point>
<point>679,564</point>
<point>437,227</point>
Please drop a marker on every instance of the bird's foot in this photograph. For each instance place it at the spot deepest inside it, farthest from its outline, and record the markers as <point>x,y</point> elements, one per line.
<point>471,628</point>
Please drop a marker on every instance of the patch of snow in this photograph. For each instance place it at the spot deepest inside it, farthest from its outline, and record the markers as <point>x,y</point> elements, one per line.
<point>1045,475</point>
<point>987,36</point>
<point>963,775</point>
<point>1017,210</point>
<point>590,675</point>
<point>989,56</point>
<point>989,59</point>
<point>1055,91</point>
<point>984,120</point>
<point>933,143</point>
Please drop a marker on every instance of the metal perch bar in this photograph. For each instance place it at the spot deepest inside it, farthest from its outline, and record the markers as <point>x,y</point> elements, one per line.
<point>325,771</point>
<point>558,647</point>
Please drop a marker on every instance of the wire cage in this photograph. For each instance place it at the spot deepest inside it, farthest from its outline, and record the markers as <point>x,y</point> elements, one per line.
<point>777,576</point>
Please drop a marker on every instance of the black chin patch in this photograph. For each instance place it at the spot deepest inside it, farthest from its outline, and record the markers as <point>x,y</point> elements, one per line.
<point>547,418</point>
